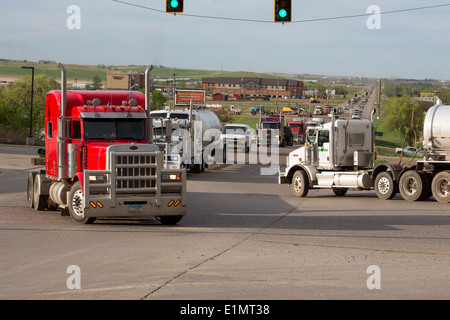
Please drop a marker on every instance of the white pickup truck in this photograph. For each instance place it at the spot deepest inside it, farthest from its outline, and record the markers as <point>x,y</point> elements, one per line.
<point>240,135</point>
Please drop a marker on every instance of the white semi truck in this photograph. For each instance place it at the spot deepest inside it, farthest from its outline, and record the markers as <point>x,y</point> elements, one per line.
<point>187,135</point>
<point>341,157</point>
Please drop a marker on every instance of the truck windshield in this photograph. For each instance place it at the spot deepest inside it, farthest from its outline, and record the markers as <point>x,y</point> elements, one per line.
<point>295,125</point>
<point>114,129</point>
<point>179,116</point>
<point>233,130</point>
<point>270,125</point>
<point>158,115</point>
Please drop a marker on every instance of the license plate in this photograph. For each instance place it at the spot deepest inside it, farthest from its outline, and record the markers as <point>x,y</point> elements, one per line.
<point>135,208</point>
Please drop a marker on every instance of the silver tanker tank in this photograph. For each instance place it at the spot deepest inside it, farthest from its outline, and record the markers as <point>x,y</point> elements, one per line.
<point>436,132</point>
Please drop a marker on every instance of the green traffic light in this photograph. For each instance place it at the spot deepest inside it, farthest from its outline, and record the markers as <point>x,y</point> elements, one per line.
<point>282,13</point>
<point>174,4</point>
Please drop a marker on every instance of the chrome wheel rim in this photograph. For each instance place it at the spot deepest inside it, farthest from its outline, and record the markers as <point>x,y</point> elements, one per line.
<point>77,204</point>
<point>383,185</point>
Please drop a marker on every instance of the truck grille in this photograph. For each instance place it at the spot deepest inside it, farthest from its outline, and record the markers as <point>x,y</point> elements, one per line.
<point>135,173</point>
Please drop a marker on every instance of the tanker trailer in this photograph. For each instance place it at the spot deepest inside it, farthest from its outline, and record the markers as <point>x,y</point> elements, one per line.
<point>195,132</point>
<point>431,176</point>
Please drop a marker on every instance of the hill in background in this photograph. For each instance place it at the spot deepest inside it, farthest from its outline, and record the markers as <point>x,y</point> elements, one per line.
<point>11,69</point>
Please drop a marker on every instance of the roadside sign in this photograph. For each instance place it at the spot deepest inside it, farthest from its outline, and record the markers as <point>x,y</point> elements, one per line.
<point>184,97</point>
<point>378,134</point>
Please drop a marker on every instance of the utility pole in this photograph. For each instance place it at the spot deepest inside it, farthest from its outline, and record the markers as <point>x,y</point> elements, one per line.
<point>379,102</point>
<point>30,139</point>
<point>174,74</point>
<point>278,93</point>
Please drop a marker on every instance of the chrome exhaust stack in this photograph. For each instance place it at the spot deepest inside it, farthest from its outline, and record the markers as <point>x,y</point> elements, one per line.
<point>147,105</point>
<point>62,129</point>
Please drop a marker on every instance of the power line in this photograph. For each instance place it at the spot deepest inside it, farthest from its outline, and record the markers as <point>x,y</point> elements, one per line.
<point>369,14</point>
<point>297,21</point>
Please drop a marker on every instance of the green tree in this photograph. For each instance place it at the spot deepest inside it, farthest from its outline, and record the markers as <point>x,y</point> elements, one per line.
<point>444,95</point>
<point>158,100</point>
<point>96,83</point>
<point>405,116</point>
<point>15,106</point>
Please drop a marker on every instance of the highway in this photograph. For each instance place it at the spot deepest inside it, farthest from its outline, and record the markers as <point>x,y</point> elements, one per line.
<point>244,237</point>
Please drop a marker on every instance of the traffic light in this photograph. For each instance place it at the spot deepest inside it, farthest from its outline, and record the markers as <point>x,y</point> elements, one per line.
<point>174,6</point>
<point>283,10</point>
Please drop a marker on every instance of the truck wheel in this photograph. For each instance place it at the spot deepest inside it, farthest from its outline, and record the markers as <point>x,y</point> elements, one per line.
<point>412,185</point>
<point>76,209</point>
<point>385,186</point>
<point>40,201</point>
<point>440,187</point>
<point>30,189</point>
<point>169,220</point>
<point>300,185</point>
<point>340,191</point>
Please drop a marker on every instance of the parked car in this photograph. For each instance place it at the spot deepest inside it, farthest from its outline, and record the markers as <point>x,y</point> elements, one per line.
<point>239,134</point>
<point>409,151</point>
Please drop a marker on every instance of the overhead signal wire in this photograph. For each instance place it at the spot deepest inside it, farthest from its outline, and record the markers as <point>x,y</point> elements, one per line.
<point>296,21</point>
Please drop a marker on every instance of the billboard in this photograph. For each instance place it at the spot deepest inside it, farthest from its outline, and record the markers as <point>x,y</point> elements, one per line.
<point>184,97</point>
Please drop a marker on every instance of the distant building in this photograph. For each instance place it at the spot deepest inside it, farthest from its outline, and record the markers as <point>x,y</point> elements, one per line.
<point>46,62</point>
<point>125,81</point>
<point>253,87</point>
<point>220,96</point>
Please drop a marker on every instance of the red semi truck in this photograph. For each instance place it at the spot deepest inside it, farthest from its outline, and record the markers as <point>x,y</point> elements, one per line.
<point>298,130</point>
<point>100,160</point>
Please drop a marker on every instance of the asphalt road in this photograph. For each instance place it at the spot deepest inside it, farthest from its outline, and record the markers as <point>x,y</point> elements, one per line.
<point>244,237</point>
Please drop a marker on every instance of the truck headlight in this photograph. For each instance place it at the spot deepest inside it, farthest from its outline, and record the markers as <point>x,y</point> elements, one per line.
<point>171,177</point>
<point>98,179</point>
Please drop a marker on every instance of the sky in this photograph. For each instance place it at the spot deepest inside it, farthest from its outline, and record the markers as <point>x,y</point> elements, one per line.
<point>409,44</point>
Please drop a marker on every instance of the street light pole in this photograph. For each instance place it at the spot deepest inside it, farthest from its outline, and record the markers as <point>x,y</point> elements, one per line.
<point>32,94</point>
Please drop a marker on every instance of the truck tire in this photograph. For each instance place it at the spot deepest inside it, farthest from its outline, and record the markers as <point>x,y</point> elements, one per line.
<point>340,192</point>
<point>440,187</point>
<point>75,203</point>
<point>198,167</point>
<point>413,185</point>
<point>169,220</point>
<point>385,186</point>
<point>40,201</point>
<point>300,183</point>
<point>30,189</point>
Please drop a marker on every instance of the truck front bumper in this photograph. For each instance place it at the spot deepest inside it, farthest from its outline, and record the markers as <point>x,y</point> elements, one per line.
<point>132,207</point>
